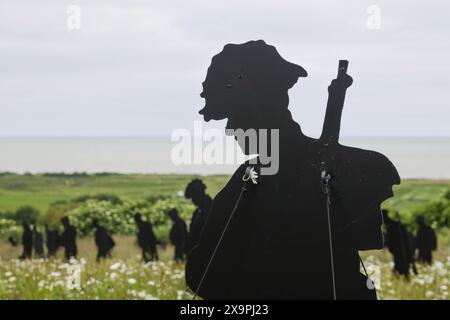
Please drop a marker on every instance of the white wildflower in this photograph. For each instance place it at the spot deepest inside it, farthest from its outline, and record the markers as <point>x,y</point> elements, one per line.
<point>115,266</point>
<point>250,174</point>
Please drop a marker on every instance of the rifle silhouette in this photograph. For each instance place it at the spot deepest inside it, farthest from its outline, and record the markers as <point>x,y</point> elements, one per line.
<point>335,105</point>
<point>330,136</point>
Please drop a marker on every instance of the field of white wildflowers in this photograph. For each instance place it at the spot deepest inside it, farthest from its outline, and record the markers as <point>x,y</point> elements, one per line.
<point>126,277</point>
<point>111,279</point>
<point>431,283</point>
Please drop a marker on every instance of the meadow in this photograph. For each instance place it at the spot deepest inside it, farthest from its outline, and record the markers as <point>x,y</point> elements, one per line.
<point>41,190</point>
<point>125,276</point>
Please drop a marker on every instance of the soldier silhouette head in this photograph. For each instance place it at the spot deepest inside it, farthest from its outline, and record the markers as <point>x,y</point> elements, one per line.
<point>248,84</point>
<point>173,214</point>
<point>137,218</point>
<point>26,226</point>
<point>65,221</point>
<point>95,223</point>
<point>420,220</point>
<point>195,191</point>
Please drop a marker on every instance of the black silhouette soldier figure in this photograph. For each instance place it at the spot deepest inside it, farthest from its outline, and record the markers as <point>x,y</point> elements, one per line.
<point>38,243</point>
<point>178,234</point>
<point>195,191</point>
<point>27,241</point>
<point>103,240</point>
<point>69,239</point>
<point>399,243</point>
<point>51,240</point>
<point>146,239</point>
<point>425,241</point>
<point>296,233</point>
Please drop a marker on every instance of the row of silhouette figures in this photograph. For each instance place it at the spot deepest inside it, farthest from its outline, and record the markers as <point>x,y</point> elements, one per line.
<point>182,239</point>
<point>403,245</point>
<point>399,241</point>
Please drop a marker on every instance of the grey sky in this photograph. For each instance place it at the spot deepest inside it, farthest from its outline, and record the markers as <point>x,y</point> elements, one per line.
<point>136,67</point>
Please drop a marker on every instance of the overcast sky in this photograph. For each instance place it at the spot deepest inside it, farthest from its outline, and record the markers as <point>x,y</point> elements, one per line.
<point>135,68</point>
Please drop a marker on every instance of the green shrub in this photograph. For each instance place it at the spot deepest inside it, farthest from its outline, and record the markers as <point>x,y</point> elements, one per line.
<point>26,214</point>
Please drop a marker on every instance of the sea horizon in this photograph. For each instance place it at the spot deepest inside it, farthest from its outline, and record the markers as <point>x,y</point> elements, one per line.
<point>424,157</point>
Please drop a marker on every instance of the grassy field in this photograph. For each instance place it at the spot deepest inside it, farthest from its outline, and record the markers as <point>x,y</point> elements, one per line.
<point>40,191</point>
<point>123,277</point>
<point>126,277</point>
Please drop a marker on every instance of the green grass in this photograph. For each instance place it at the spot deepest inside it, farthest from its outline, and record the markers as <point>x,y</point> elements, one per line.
<point>123,277</point>
<point>413,193</point>
<point>126,277</point>
<point>40,190</point>
<point>39,279</point>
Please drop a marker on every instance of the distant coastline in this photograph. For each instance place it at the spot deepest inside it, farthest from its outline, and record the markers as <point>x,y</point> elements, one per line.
<point>415,157</point>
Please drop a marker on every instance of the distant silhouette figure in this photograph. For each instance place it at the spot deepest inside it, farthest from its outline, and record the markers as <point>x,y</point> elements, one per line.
<point>52,241</point>
<point>178,234</point>
<point>27,241</point>
<point>12,241</point>
<point>146,239</point>
<point>195,191</point>
<point>38,243</point>
<point>425,241</point>
<point>400,243</point>
<point>103,241</point>
<point>296,233</point>
<point>69,239</point>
